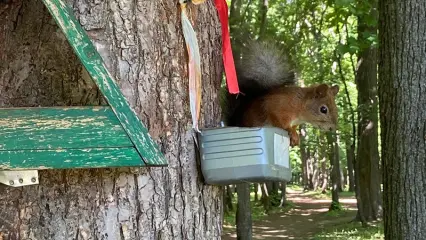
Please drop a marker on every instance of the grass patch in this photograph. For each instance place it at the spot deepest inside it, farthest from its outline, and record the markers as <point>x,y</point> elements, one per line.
<point>353,231</point>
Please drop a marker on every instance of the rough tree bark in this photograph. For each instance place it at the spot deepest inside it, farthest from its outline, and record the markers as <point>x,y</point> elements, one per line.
<point>367,179</point>
<point>142,44</point>
<point>402,91</point>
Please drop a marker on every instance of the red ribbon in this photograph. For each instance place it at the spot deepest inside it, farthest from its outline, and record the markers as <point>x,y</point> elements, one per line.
<point>228,59</point>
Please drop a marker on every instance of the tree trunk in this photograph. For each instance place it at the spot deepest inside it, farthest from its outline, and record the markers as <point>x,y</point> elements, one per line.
<point>333,148</point>
<point>336,158</point>
<point>316,161</point>
<point>342,180</point>
<point>367,163</point>
<point>235,12</point>
<point>275,188</point>
<point>324,155</point>
<point>243,217</point>
<point>402,98</point>
<point>345,177</point>
<point>229,197</point>
<point>143,47</point>
<point>225,202</point>
<point>350,154</point>
<point>310,167</point>
<point>304,155</point>
<point>256,192</point>
<point>235,21</point>
<point>263,11</point>
<point>283,201</point>
<point>265,198</point>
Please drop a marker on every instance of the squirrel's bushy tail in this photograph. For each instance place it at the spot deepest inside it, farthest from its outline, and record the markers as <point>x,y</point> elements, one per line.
<point>262,66</point>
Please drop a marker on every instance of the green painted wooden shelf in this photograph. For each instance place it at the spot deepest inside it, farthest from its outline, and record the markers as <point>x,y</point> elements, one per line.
<point>77,137</point>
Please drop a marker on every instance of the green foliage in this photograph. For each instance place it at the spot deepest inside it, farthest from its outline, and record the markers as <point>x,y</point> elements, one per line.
<point>335,210</point>
<point>296,161</point>
<point>322,39</point>
<point>353,231</point>
<point>275,199</point>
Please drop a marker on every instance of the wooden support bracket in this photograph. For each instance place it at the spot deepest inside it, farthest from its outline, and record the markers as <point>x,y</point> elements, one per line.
<point>19,178</point>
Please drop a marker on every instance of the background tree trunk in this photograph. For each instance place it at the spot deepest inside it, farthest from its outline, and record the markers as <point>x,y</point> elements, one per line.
<point>333,155</point>
<point>336,163</point>
<point>342,179</point>
<point>283,201</point>
<point>316,162</point>
<point>142,44</point>
<point>229,197</point>
<point>256,191</point>
<point>265,198</point>
<point>324,156</point>
<point>243,216</point>
<point>275,188</point>
<point>304,156</point>
<point>402,98</point>
<point>367,163</point>
<point>263,11</point>
<point>350,154</point>
<point>235,21</point>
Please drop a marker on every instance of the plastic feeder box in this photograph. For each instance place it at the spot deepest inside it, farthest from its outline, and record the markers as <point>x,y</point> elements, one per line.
<point>232,155</point>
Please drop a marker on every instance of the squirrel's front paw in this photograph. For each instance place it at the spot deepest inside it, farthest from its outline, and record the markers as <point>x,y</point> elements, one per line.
<point>294,139</point>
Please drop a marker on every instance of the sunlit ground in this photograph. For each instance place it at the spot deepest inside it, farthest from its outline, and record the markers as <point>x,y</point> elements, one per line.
<point>307,217</point>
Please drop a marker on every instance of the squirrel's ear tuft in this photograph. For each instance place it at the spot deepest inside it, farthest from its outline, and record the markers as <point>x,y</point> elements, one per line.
<point>321,91</point>
<point>335,89</point>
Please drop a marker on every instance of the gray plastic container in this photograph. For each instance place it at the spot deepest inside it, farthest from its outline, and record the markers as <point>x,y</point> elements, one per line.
<point>233,155</point>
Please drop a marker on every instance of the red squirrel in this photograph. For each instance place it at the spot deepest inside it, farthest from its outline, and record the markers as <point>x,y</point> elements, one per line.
<point>270,96</point>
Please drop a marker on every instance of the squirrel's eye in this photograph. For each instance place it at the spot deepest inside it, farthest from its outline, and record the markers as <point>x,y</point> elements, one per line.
<point>323,109</point>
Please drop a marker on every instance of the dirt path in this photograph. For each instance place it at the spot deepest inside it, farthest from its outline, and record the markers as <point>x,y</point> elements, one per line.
<point>307,218</point>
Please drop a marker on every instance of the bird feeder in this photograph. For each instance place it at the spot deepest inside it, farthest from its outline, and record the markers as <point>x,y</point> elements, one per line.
<point>232,155</point>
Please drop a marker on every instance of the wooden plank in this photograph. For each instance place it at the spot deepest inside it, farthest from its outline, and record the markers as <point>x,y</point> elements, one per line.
<point>59,128</point>
<point>94,64</point>
<point>70,158</point>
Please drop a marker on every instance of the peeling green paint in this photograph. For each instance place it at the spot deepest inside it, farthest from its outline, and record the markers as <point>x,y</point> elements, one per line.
<point>70,158</point>
<point>60,128</point>
<point>92,61</point>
